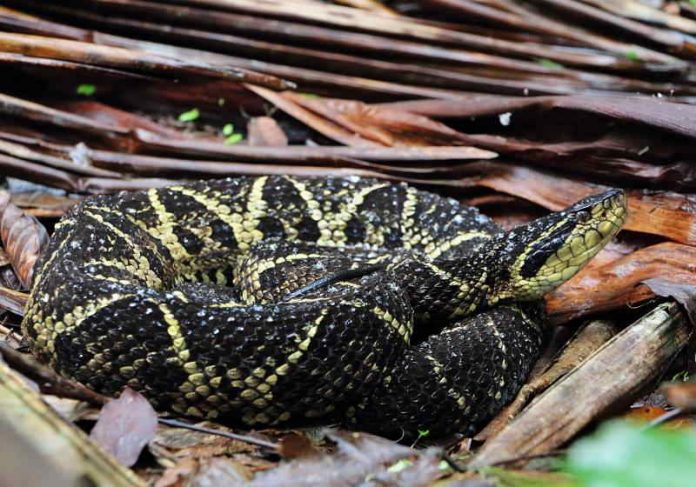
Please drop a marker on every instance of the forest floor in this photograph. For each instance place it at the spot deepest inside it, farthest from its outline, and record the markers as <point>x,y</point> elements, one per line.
<point>516,107</point>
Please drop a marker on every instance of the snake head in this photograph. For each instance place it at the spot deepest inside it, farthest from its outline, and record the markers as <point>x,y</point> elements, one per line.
<point>546,252</point>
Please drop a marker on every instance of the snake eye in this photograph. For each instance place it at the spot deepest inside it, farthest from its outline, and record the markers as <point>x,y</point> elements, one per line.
<point>583,216</point>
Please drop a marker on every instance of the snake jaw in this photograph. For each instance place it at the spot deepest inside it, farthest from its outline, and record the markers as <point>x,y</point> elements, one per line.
<point>551,250</point>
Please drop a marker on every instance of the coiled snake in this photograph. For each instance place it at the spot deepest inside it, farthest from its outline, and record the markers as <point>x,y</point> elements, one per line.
<point>274,300</point>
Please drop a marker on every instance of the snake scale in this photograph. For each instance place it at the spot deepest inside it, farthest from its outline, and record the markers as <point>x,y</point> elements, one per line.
<point>278,300</point>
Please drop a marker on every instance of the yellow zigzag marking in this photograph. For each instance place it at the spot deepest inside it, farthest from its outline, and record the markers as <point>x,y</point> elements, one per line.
<point>74,318</point>
<point>332,225</point>
<point>140,263</point>
<point>436,250</point>
<point>164,230</point>
<point>258,387</point>
<point>438,368</point>
<point>244,226</point>
<point>404,330</point>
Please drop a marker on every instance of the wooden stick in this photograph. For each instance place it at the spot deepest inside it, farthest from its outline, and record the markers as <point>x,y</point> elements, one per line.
<point>47,450</point>
<point>613,375</point>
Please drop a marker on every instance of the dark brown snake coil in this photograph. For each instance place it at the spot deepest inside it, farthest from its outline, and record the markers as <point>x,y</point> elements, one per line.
<point>201,297</point>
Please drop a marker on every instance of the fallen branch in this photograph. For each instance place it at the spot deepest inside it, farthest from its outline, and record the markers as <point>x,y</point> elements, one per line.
<point>612,376</point>
<point>47,450</point>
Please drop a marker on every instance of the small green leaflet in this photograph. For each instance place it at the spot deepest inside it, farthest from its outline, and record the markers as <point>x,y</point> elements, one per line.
<point>228,129</point>
<point>233,139</point>
<point>86,89</point>
<point>547,63</point>
<point>190,115</point>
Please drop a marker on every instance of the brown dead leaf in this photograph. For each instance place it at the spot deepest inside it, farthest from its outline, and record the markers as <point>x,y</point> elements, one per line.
<point>265,131</point>
<point>125,426</point>
<point>380,124</point>
<point>294,445</point>
<point>24,238</point>
<point>43,204</point>
<point>359,456</point>
<point>647,414</point>
<point>681,394</point>
<point>176,443</point>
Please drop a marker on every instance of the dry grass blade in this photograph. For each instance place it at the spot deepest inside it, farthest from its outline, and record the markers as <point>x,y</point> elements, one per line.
<point>24,238</point>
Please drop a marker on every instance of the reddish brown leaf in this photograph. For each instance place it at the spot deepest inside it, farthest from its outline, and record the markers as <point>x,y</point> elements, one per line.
<point>23,236</point>
<point>266,131</point>
<point>382,125</point>
<point>125,426</point>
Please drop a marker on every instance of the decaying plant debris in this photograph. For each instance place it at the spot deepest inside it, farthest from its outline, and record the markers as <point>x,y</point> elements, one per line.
<point>517,107</point>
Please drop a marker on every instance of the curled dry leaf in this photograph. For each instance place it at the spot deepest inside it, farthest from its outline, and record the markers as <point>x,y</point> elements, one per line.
<point>125,426</point>
<point>266,131</point>
<point>24,238</point>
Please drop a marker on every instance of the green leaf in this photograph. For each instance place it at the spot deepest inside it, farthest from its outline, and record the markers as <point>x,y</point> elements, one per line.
<point>228,129</point>
<point>547,63</point>
<point>632,55</point>
<point>625,455</point>
<point>233,139</point>
<point>86,89</point>
<point>423,433</point>
<point>400,465</point>
<point>190,115</point>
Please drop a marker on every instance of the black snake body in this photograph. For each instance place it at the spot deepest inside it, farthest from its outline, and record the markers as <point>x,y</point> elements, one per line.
<point>189,294</point>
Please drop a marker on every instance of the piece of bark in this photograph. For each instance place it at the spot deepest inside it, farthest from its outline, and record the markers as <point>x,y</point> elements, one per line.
<point>45,449</point>
<point>669,215</point>
<point>582,345</point>
<point>614,375</point>
<point>604,286</point>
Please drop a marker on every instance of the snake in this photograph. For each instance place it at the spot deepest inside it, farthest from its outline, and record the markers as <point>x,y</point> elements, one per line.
<point>274,300</point>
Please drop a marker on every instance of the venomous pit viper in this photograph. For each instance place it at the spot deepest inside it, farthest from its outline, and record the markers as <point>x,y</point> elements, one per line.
<point>278,300</point>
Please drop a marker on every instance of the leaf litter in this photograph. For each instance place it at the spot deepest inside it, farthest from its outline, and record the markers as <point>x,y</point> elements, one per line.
<point>399,90</point>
